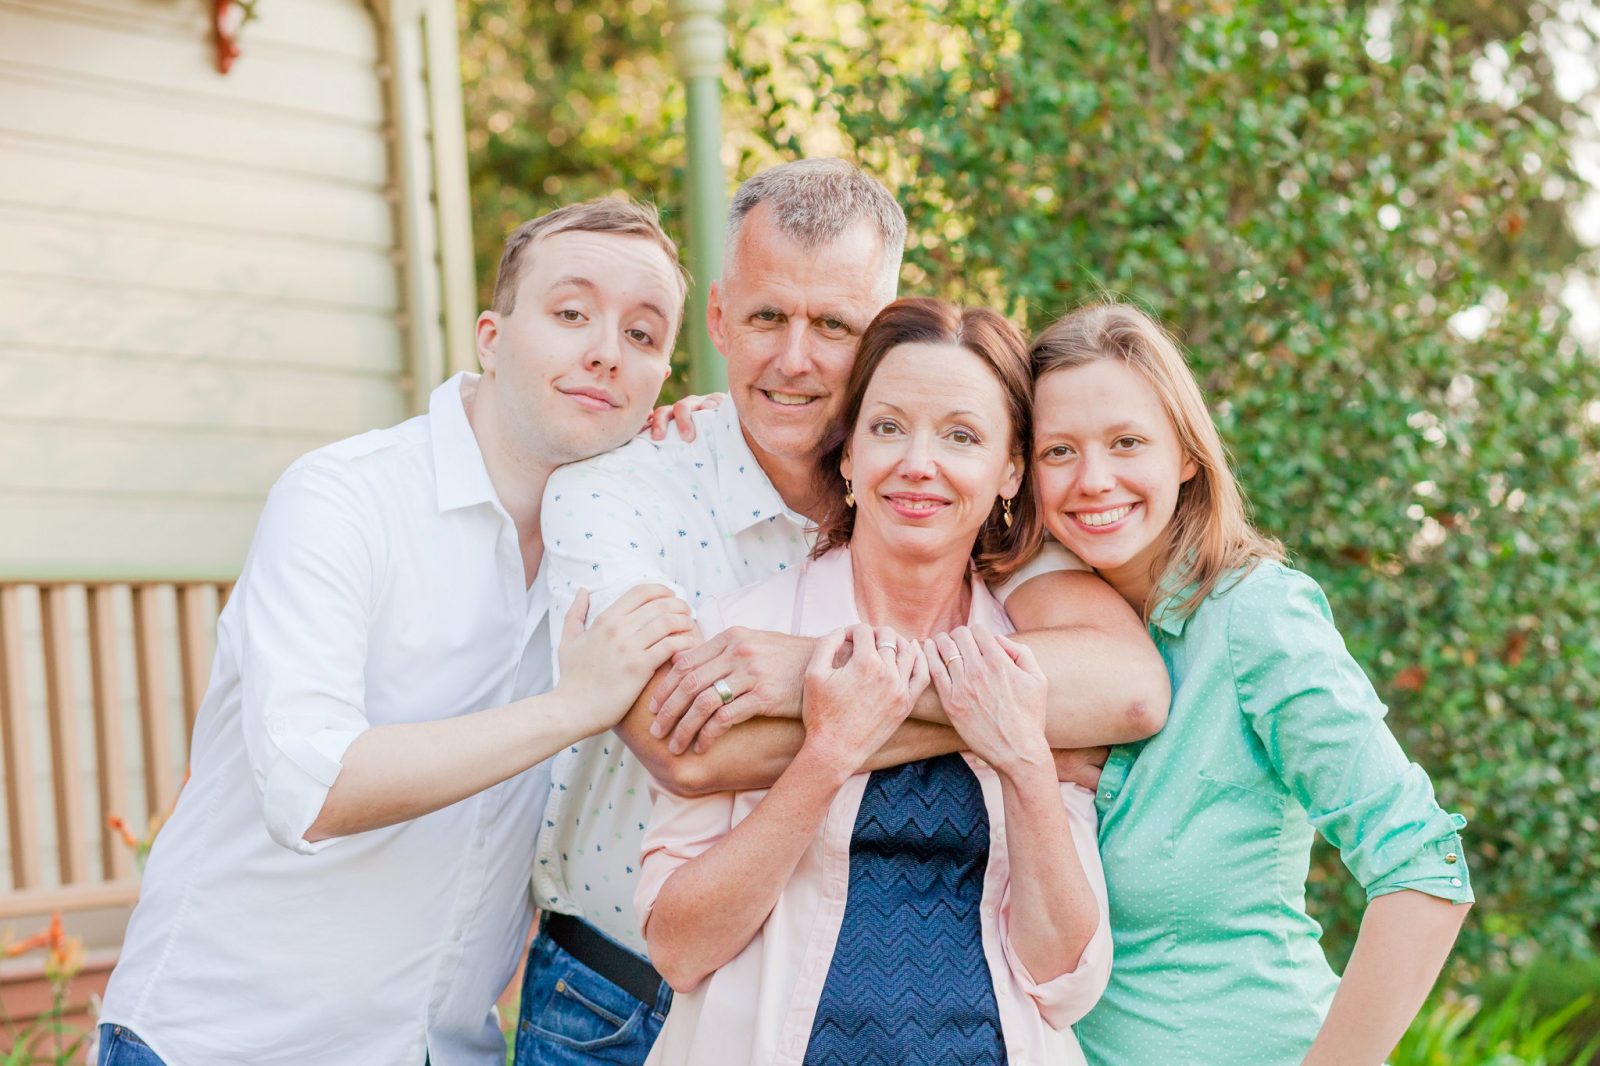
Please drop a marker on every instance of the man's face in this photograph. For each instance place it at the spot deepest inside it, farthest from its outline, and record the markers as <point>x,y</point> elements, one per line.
<point>578,362</point>
<point>788,320</point>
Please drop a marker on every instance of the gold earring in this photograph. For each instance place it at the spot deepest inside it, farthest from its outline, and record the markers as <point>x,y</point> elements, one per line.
<point>1005,511</point>
<point>849,494</point>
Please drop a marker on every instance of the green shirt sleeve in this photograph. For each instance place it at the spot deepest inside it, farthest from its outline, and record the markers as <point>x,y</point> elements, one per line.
<point>1321,723</point>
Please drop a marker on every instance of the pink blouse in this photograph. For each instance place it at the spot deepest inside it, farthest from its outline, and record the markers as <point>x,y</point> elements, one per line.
<point>759,1007</point>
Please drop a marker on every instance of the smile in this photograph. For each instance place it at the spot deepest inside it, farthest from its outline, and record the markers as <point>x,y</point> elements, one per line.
<point>915,506</point>
<point>1101,519</point>
<point>788,399</point>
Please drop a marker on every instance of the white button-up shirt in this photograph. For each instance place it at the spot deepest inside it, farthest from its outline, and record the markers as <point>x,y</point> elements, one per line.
<point>385,584</point>
<point>700,517</point>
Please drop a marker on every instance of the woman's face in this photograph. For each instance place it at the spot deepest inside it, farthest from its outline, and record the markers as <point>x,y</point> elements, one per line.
<point>932,449</point>
<point>1108,466</point>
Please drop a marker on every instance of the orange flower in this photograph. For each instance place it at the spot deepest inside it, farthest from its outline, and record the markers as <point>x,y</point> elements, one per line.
<point>50,938</point>
<point>117,825</point>
<point>65,959</point>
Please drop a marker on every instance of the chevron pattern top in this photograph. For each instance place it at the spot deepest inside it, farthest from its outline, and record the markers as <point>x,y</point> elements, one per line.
<point>909,981</point>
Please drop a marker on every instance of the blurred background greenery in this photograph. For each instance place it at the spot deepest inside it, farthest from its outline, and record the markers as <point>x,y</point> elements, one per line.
<point>1359,217</point>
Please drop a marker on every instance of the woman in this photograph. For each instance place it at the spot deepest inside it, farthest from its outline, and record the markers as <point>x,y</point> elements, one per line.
<point>1274,732</point>
<point>950,910</point>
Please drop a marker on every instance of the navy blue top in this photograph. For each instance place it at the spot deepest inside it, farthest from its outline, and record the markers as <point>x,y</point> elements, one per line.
<point>909,981</point>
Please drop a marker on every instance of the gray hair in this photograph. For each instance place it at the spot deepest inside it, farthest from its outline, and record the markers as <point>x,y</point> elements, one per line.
<point>815,201</point>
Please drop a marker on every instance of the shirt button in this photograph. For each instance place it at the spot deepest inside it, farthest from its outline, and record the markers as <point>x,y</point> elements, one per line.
<point>1456,881</point>
<point>1105,795</point>
<point>483,838</point>
<point>456,936</point>
<point>276,728</point>
<point>1451,858</point>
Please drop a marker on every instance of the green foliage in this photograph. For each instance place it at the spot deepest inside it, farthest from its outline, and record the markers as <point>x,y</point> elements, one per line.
<point>1308,194</point>
<point>1452,1031</point>
<point>1311,195</point>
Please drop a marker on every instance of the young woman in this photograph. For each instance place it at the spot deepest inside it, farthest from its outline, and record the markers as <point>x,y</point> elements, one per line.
<point>1274,732</point>
<point>949,910</point>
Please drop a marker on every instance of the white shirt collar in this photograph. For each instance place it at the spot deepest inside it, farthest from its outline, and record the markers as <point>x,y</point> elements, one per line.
<point>458,467</point>
<point>745,494</point>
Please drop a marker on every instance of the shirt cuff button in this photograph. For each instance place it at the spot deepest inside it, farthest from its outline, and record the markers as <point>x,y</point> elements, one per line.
<point>1456,881</point>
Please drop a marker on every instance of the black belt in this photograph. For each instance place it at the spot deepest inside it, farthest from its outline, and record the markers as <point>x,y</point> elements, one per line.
<point>616,964</point>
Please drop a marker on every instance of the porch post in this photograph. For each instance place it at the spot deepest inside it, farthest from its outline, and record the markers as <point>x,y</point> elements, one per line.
<point>700,43</point>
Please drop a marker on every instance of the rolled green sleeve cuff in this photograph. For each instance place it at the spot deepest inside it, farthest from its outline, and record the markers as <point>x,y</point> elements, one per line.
<point>1437,868</point>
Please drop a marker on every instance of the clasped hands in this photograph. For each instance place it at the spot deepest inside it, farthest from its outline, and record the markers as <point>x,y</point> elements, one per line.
<point>991,689</point>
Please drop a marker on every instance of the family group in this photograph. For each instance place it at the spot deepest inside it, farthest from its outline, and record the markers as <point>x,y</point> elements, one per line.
<point>928,698</point>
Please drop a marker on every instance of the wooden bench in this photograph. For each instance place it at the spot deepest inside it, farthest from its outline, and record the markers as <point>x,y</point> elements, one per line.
<point>65,703</point>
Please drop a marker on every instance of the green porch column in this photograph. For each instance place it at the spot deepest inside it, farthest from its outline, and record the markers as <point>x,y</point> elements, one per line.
<point>700,42</point>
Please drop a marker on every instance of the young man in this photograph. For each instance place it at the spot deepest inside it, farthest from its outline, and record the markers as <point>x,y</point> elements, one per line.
<point>344,878</point>
<point>813,253</point>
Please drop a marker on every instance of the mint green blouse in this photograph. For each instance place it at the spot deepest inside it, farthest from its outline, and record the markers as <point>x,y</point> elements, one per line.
<point>1206,831</point>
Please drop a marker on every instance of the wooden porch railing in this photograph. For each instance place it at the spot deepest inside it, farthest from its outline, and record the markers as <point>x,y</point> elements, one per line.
<point>79,665</point>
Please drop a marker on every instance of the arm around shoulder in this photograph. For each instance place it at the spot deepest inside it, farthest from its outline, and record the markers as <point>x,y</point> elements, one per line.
<point>1108,683</point>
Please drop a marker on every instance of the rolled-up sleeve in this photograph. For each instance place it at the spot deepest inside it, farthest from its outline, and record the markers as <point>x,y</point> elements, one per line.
<point>304,614</point>
<point>1323,729</point>
<point>681,829</point>
<point>1064,999</point>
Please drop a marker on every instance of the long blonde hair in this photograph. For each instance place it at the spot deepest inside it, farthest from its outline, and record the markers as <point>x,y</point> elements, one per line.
<point>1210,535</point>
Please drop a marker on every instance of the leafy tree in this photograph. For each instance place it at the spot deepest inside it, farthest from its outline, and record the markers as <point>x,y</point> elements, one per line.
<point>1355,216</point>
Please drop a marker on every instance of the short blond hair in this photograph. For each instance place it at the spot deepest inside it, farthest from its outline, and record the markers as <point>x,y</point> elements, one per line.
<point>604,214</point>
<point>1210,535</point>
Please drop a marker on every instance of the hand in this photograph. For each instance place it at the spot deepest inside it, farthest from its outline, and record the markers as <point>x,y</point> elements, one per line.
<point>859,687</point>
<point>604,667</point>
<point>1081,766</point>
<point>993,693</point>
<point>763,671</point>
<point>681,413</point>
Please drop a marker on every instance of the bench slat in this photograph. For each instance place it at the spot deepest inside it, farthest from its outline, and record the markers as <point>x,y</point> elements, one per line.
<point>110,757</point>
<point>72,851</point>
<point>158,789</point>
<point>20,808</point>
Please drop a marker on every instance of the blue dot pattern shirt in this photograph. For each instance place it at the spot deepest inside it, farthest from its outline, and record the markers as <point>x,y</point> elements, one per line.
<point>700,517</point>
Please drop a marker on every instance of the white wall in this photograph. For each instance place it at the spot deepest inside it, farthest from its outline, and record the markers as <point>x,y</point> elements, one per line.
<point>200,275</point>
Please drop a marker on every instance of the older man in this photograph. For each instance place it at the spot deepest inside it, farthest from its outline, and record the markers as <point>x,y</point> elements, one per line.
<point>344,879</point>
<point>813,253</point>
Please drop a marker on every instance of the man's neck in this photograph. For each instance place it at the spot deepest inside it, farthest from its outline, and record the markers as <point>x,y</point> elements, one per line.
<point>518,480</point>
<point>795,480</point>
<point>917,596</point>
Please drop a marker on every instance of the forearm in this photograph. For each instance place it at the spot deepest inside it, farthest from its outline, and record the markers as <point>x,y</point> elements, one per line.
<point>1054,912</point>
<point>1103,689</point>
<point>1100,692</point>
<point>709,909</point>
<point>394,773</point>
<point>1404,941</point>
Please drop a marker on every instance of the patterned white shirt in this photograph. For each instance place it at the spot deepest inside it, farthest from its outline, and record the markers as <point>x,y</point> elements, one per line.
<point>698,516</point>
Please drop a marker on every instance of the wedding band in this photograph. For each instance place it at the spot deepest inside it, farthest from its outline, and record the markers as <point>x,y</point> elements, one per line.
<point>724,693</point>
<point>891,645</point>
<point>952,659</point>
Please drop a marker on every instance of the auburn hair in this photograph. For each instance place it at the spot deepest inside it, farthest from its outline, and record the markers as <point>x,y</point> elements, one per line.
<point>999,549</point>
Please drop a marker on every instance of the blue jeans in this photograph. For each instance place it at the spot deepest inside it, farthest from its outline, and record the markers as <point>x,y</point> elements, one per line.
<point>120,1047</point>
<point>571,1016</point>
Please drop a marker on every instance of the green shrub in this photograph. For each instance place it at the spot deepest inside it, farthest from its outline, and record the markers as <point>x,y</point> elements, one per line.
<point>1312,195</point>
<point>1456,1031</point>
